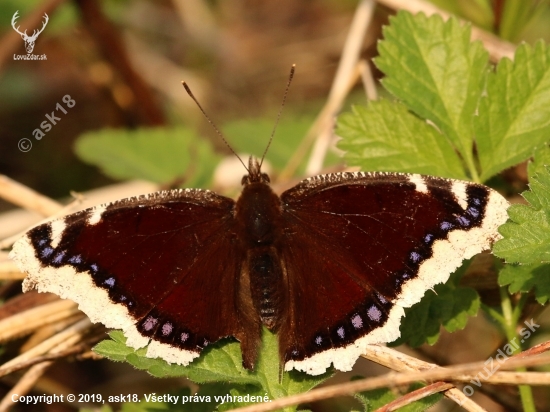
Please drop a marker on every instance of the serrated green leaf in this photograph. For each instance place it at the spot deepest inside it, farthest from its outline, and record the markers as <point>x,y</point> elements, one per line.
<point>523,278</point>
<point>161,155</point>
<point>449,306</point>
<point>432,66</point>
<point>384,136</point>
<point>526,236</point>
<point>514,115</point>
<point>221,362</point>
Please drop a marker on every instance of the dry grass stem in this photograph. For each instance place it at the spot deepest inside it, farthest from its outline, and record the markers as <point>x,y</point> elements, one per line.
<point>464,401</point>
<point>390,380</point>
<point>39,359</point>
<point>27,198</point>
<point>62,211</point>
<point>25,384</point>
<point>344,79</point>
<point>401,362</point>
<point>346,76</point>
<point>57,343</point>
<point>45,332</point>
<point>10,271</point>
<point>367,78</point>
<point>25,322</point>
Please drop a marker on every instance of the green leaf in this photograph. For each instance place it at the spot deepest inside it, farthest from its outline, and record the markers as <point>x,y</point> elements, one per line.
<point>450,305</point>
<point>432,66</point>
<point>526,236</point>
<point>384,136</point>
<point>161,155</point>
<point>221,362</point>
<point>514,116</point>
<point>524,278</point>
<point>374,399</point>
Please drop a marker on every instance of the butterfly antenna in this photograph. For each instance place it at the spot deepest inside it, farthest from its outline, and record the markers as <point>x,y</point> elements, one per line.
<point>280,112</point>
<point>190,93</point>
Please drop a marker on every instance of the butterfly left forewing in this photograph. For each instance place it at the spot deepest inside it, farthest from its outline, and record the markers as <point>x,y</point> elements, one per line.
<point>163,268</point>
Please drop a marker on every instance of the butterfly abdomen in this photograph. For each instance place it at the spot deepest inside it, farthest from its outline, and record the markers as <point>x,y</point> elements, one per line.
<point>258,215</point>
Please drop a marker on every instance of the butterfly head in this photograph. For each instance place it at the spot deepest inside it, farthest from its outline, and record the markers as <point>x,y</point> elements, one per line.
<point>255,174</point>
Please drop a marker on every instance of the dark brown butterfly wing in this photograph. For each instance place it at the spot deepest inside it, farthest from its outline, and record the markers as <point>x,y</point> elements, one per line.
<point>164,267</point>
<point>360,247</point>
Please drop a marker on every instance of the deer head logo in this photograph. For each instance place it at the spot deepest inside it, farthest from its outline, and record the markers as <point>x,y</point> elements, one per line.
<point>29,40</point>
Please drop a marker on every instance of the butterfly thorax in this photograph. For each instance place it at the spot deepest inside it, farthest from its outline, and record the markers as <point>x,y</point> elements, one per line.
<point>258,216</point>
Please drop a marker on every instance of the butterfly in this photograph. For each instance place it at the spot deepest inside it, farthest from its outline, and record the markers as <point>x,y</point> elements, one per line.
<point>329,265</point>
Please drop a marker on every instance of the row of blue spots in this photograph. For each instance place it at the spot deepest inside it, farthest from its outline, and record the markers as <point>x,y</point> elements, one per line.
<point>373,313</point>
<point>46,251</point>
<point>167,329</point>
<point>446,226</point>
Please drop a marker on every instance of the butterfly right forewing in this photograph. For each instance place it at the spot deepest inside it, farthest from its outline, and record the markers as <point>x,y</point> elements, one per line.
<point>359,247</point>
